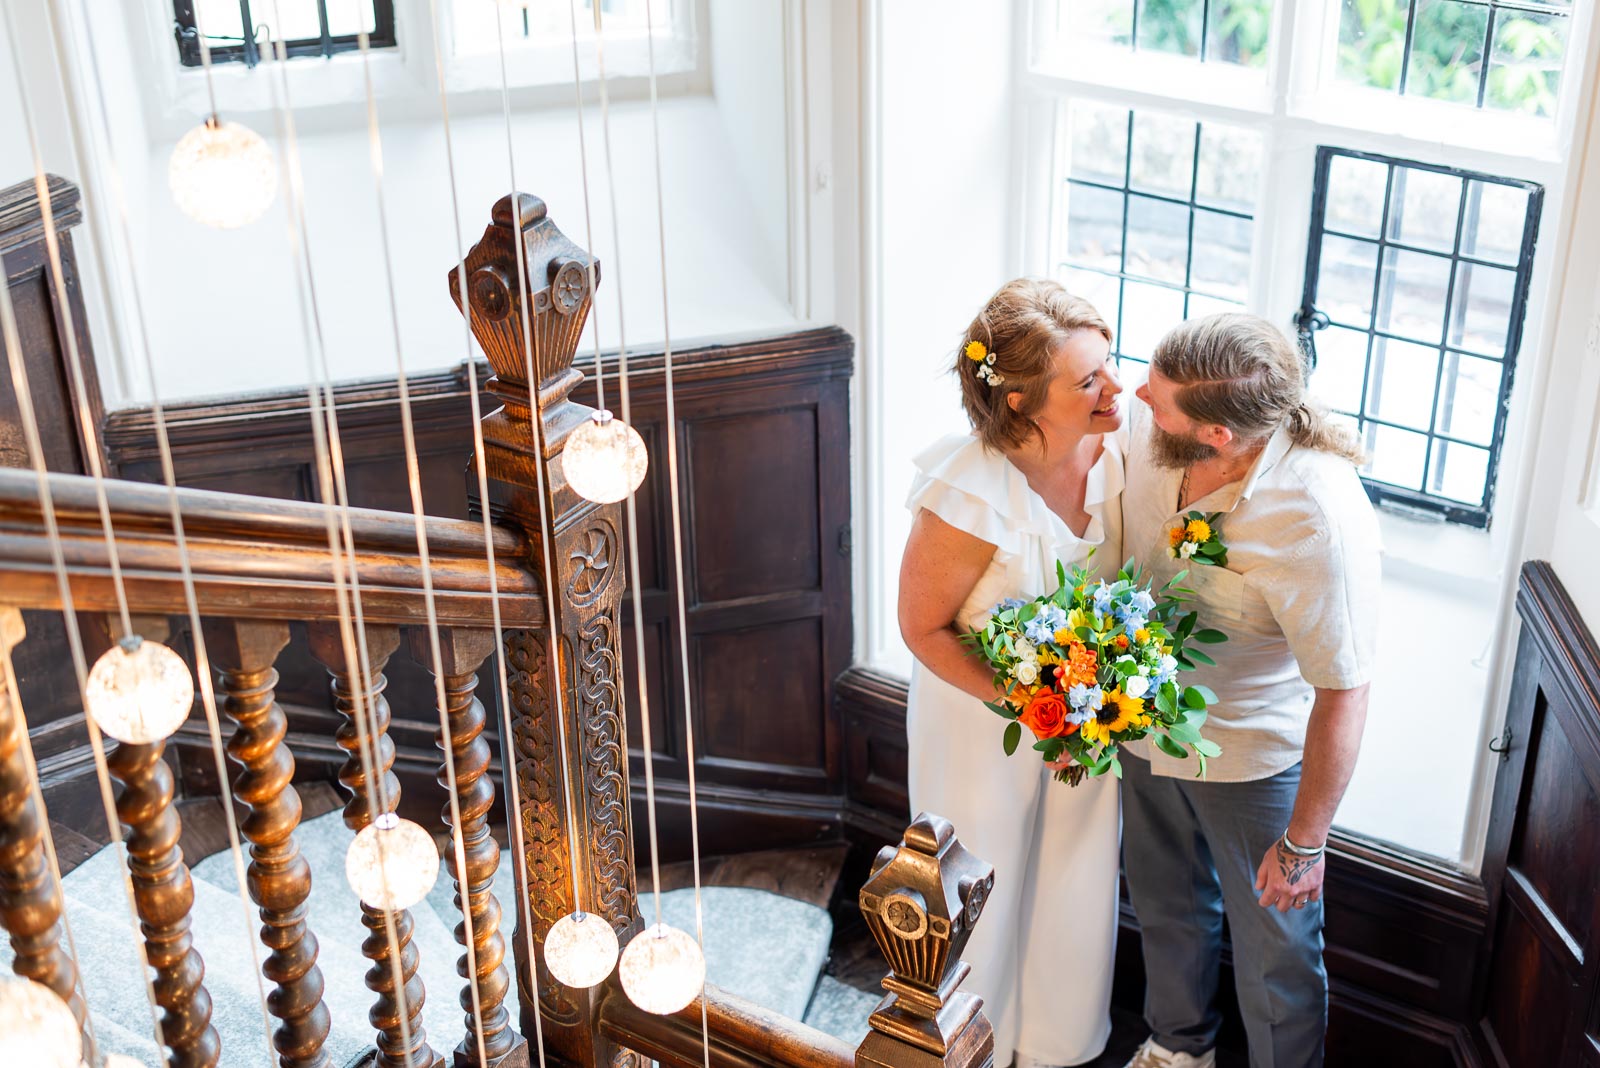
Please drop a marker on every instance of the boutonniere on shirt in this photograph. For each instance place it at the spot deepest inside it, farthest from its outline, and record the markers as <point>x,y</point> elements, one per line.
<point>1198,539</point>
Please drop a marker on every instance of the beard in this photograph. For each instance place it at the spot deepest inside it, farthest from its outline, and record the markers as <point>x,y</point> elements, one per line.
<point>1175,450</point>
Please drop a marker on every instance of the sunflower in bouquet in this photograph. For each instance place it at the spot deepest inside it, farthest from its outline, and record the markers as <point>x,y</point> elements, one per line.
<point>1095,665</point>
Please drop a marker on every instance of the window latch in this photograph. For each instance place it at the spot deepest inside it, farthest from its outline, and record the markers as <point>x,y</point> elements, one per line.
<point>1502,745</point>
<point>1307,321</point>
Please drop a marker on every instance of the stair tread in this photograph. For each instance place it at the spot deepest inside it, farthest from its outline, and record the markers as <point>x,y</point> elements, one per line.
<point>840,1010</point>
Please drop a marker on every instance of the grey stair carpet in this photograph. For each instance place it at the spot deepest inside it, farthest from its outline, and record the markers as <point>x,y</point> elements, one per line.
<point>841,1010</point>
<point>763,947</point>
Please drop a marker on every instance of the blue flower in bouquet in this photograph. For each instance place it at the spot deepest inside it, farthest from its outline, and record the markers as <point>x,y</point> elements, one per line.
<point>1166,671</point>
<point>1042,627</point>
<point>1085,702</point>
<point>1008,603</point>
<point>1102,598</point>
<point>1132,621</point>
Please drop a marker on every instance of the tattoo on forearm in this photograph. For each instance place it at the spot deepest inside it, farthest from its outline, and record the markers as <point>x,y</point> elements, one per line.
<point>1294,868</point>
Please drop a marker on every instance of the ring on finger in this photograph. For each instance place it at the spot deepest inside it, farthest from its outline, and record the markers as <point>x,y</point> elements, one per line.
<point>1299,902</point>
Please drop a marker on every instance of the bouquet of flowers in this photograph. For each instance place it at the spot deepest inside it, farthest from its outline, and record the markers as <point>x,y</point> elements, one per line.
<point>1096,664</point>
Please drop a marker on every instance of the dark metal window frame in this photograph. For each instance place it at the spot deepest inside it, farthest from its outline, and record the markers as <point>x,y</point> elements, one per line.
<point>248,51</point>
<point>1486,56</point>
<point>1127,192</point>
<point>1311,319</point>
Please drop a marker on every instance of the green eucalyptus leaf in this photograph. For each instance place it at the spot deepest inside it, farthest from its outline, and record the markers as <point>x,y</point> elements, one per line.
<point>1206,747</point>
<point>1183,732</point>
<point>1004,711</point>
<point>1170,747</point>
<point>1209,636</point>
<point>1197,655</point>
<point>1012,736</point>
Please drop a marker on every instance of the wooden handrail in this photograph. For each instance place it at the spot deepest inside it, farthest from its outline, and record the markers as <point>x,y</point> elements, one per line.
<point>743,1034</point>
<point>252,557</point>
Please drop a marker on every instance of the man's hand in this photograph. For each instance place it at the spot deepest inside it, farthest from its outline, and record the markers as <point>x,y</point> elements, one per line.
<point>1287,881</point>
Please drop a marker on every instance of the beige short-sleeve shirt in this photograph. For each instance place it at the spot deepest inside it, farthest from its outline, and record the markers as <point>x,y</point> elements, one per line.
<point>1298,599</point>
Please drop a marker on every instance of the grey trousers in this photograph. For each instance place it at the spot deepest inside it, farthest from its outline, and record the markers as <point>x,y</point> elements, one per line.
<point>1190,851</point>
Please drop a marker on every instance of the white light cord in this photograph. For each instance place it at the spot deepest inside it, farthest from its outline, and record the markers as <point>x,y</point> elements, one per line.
<point>546,524</point>
<point>203,670</point>
<point>633,508</point>
<point>419,519</point>
<point>47,511</point>
<point>677,529</point>
<point>333,490</point>
<point>588,223</point>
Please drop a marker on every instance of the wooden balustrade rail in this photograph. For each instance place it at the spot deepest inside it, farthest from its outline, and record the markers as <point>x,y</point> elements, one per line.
<point>253,557</point>
<point>743,1035</point>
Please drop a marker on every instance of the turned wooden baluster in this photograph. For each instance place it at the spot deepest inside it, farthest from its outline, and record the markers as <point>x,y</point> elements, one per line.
<point>461,651</point>
<point>30,907</point>
<point>163,893</point>
<point>328,647</point>
<point>279,877</point>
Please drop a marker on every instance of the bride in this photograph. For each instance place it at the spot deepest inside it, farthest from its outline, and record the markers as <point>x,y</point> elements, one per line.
<point>1037,480</point>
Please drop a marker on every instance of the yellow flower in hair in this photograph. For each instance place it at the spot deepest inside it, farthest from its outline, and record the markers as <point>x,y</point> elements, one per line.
<point>1199,531</point>
<point>975,351</point>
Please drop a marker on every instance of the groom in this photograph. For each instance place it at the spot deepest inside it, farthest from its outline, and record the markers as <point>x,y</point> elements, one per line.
<point>1228,431</point>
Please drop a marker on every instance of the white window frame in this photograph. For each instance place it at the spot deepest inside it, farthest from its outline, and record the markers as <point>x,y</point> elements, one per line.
<point>1295,114</point>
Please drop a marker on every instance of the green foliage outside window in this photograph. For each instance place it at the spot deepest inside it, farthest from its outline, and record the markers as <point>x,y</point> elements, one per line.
<point>1447,52</point>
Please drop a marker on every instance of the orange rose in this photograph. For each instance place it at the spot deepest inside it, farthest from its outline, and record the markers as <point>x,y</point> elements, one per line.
<point>1046,715</point>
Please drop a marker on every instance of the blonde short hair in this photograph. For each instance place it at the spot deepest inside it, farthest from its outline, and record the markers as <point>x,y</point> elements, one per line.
<point>1021,326</point>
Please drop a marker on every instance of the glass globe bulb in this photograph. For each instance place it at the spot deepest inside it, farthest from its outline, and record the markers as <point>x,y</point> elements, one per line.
<point>37,1027</point>
<point>139,691</point>
<point>662,969</point>
<point>392,863</point>
<point>580,950</point>
<point>222,174</point>
<point>604,459</point>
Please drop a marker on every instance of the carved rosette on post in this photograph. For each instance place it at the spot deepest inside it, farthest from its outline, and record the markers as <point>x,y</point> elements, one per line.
<point>921,903</point>
<point>547,315</point>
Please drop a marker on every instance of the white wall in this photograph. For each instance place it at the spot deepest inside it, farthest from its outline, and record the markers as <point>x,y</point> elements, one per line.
<point>221,307</point>
<point>940,176</point>
<point>748,81</point>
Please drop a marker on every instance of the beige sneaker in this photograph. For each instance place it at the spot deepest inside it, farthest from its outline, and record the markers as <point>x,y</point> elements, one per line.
<point>1154,1055</point>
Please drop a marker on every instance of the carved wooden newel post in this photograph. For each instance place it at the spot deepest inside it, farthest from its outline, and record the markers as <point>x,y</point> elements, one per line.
<point>921,903</point>
<point>585,543</point>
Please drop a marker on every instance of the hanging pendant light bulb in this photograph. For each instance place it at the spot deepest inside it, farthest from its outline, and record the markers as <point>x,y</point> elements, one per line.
<point>222,174</point>
<point>662,969</point>
<point>604,459</point>
<point>392,863</point>
<point>580,950</point>
<point>36,1026</point>
<point>139,691</point>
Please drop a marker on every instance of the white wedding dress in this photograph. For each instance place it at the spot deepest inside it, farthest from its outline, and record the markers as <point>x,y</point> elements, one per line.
<point>1042,953</point>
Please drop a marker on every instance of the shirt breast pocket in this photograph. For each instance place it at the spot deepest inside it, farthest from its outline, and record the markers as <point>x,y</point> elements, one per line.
<point>1219,595</point>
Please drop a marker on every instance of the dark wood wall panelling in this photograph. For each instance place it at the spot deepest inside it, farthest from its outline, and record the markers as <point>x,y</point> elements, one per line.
<point>1538,984</point>
<point>763,447</point>
<point>46,681</point>
<point>1402,933</point>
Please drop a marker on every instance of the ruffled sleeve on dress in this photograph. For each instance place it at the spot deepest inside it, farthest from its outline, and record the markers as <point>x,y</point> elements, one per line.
<point>978,491</point>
